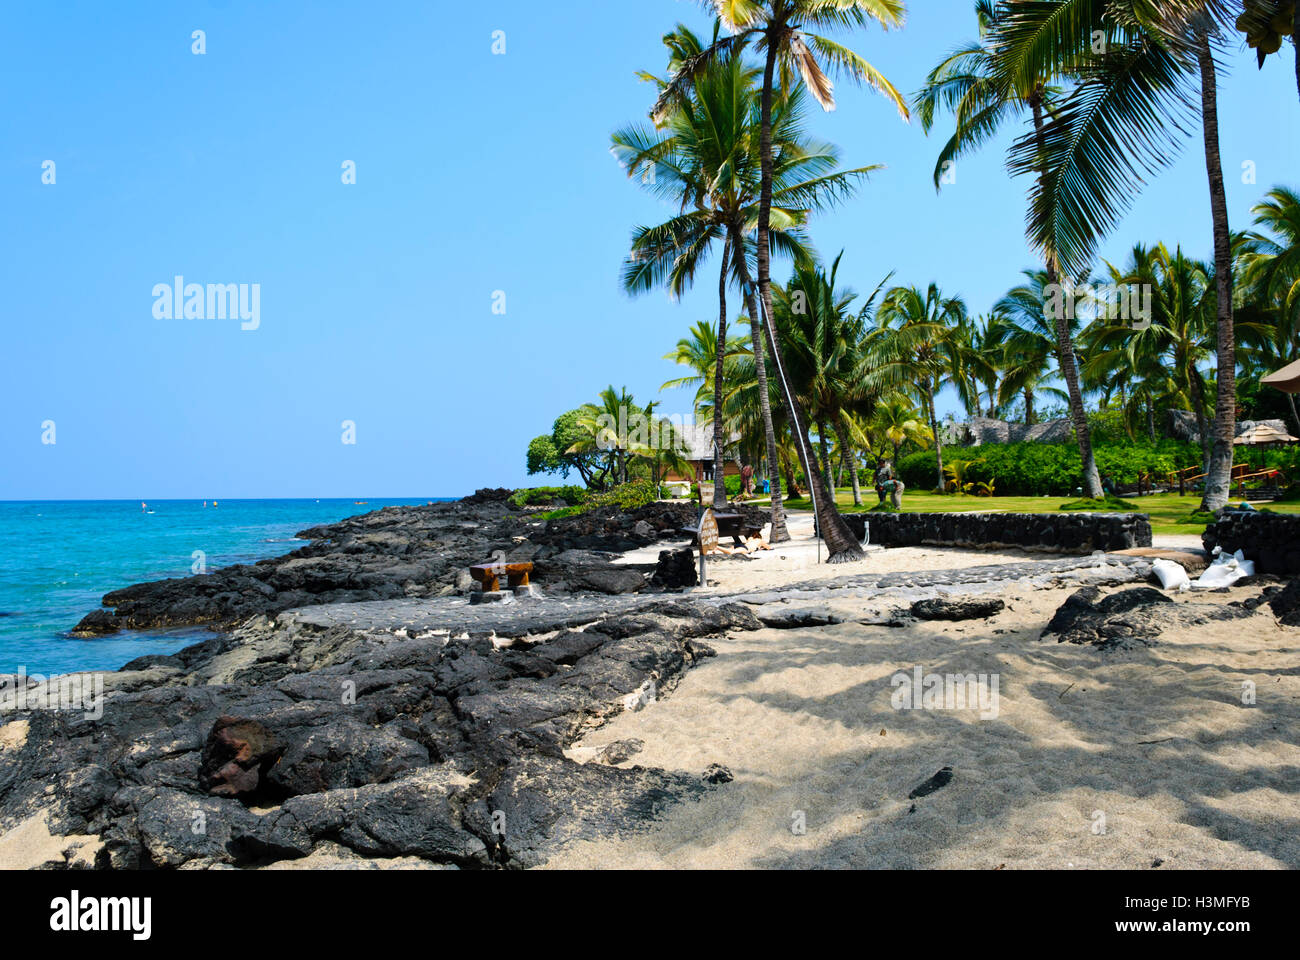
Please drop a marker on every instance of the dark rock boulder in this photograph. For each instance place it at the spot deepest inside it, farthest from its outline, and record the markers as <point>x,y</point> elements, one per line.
<point>676,569</point>
<point>236,757</point>
<point>942,608</point>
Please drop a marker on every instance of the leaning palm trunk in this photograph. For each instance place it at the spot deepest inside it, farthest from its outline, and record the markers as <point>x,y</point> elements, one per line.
<point>1218,476</point>
<point>719,481</point>
<point>1065,346</point>
<point>840,542</point>
<point>778,533</point>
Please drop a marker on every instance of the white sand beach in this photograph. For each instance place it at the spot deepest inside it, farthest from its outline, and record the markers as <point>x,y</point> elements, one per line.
<point>1130,759</point>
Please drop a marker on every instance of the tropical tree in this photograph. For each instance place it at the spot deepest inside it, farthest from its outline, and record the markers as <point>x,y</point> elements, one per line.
<point>1138,67</point>
<point>1177,338</point>
<point>699,352</point>
<point>1271,286</point>
<point>710,151</point>
<point>618,427</point>
<point>913,347</point>
<point>550,453</point>
<point>782,31</point>
<point>896,422</point>
<point>1030,345</point>
<point>823,342</point>
<point>984,90</point>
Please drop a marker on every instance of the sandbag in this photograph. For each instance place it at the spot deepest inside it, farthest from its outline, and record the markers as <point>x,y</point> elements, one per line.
<point>1172,575</point>
<point>1225,571</point>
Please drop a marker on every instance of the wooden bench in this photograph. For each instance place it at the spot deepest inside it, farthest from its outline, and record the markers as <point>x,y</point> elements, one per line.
<point>489,574</point>
<point>729,524</point>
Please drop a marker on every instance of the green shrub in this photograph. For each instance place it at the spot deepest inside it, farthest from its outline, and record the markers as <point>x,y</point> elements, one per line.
<point>534,495</point>
<point>628,496</point>
<point>1037,469</point>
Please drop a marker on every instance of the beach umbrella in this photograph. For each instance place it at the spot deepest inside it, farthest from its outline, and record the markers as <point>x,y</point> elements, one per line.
<point>1263,433</point>
<point>1287,379</point>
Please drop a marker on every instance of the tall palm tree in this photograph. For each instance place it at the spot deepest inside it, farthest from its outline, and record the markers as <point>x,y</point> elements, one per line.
<point>823,341</point>
<point>1123,118</point>
<point>984,92</point>
<point>780,30</point>
<point>913,346</point>
<point>708,156</point>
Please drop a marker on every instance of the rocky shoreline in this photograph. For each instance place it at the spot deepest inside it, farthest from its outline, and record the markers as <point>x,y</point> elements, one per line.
<point>357,710</point>
<point>405,552</point>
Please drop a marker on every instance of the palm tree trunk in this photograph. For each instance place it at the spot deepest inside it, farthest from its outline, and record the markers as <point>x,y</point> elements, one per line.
<point>852,459</point>
<point>927,394</point>
<point>840,543</point>
<point>1029,407</point>
<point>826,457</point>
<point>1065,346</point>
<point>1151,420</point>
<point>719,482</point>
<point>1219,477</point>
<point>778,532</point>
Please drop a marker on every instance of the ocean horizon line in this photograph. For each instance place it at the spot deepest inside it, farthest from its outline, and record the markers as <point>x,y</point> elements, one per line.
<point>352,498</point>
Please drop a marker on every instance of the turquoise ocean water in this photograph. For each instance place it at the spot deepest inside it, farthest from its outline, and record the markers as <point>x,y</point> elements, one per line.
<point>58,558</point>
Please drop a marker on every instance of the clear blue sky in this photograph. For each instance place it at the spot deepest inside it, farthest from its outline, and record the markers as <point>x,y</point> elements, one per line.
<point>475,173</point>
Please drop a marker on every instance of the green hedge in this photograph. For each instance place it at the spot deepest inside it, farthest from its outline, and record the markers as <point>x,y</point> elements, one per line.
<point>530,496</point>
<point>626,496</point>
<point>1054,469</point>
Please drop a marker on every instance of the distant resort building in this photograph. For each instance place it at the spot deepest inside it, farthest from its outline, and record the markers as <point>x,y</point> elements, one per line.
<point>698,441</point>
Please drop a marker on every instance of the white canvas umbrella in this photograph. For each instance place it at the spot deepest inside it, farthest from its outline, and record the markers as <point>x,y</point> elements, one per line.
<point>1287,379</point>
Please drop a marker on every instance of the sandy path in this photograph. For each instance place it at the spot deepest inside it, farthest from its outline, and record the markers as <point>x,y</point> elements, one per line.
<point>803,719</point>
<point>803,559</point>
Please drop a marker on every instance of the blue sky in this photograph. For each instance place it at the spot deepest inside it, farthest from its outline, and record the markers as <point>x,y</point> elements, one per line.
<point>474,173</point>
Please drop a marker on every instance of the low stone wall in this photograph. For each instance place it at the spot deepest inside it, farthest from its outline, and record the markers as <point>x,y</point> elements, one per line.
<point>1065,532</point>
<point>1272,540</point>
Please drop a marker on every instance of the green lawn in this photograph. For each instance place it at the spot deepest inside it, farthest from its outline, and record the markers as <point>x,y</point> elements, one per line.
<point>1165,509</point>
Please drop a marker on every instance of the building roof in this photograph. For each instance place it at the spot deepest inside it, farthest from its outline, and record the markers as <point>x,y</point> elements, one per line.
<point>698,440</point>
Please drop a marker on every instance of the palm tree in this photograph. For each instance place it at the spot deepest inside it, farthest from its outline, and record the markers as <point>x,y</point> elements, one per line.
<point>1271,274</point>
<point>1122,118</point>
<point>897,422</point>
<point>983,92</point>
<point>699,352</point>
<point>1030,343</point>
<point>1273,263</point>
<point>913,347</point>
<point>825,360</point>
<point>612,426</point>
<point>778,27</point>
<point>1180,336</point>
<point>709,157</point>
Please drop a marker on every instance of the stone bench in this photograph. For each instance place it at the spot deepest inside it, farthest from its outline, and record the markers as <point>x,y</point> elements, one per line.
<point>489,574</point>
